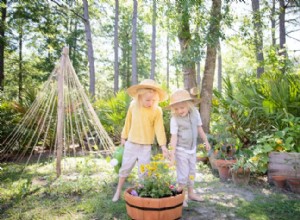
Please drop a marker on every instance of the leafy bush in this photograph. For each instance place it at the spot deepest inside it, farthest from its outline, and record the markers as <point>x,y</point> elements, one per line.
<point>112,112</point>
<point>255,107</point>
<point>9,118</point>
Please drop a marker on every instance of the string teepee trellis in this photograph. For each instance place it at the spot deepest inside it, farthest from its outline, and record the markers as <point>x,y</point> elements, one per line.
<point>60,122</point>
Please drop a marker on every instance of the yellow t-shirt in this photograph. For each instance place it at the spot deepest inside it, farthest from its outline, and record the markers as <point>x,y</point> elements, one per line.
<point>143,124</point>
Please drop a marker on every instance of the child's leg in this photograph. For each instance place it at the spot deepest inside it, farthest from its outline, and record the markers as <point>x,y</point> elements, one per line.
<point>179,189</point>
<point>192,174</point>
<point>144,157</point>
<point>128,162</point>
<point>119,189</point>
<point>193,196</point>
<point>182,170</point>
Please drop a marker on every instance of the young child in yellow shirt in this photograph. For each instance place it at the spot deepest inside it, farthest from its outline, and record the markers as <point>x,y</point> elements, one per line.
<point>144,121</point>
<point>185,125</point>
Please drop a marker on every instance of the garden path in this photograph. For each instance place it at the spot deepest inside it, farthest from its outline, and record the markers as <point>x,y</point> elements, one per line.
<point>226,201</point>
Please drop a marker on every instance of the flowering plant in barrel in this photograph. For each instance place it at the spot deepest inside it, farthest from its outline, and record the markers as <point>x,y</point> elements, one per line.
<point>158,179</point>
<point>155,197</point>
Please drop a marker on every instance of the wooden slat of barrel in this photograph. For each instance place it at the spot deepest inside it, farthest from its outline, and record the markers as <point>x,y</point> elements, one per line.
<point>283,163</point>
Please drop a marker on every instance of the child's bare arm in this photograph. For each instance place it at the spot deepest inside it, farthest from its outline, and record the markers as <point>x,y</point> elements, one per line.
<point>204,138</point>
<point>173,144</point>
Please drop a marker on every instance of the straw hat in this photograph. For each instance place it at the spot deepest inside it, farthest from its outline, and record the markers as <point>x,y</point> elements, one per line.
<point>181,95</point>
<point>147,84</point>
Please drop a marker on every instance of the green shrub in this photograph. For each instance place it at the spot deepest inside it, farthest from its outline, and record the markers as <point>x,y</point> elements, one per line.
<point>112,112</point>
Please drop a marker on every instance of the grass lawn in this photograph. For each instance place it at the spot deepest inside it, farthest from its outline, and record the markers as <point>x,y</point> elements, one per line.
<point>85,189</point>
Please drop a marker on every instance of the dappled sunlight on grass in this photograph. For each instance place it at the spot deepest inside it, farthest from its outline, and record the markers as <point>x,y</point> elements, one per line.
<point>86,186</point>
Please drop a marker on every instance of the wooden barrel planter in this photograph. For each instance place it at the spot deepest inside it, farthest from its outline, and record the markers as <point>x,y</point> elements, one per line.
<point>286,165</point>
<point>167,208</point>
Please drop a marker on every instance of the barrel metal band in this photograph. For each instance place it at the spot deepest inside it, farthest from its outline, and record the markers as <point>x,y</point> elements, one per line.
<point>154,209</point>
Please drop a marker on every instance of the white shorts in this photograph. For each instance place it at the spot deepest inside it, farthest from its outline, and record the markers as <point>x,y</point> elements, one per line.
<point>132,153</point>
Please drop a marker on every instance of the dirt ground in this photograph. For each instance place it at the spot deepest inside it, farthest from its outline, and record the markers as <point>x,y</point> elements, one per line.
<point>222,199</point>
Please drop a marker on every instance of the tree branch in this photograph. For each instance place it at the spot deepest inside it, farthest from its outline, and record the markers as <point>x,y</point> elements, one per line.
<point>64,5</point>
<point>293,38</point>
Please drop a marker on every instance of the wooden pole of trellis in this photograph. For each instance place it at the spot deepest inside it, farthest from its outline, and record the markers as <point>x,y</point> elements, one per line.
<point>60,110</point>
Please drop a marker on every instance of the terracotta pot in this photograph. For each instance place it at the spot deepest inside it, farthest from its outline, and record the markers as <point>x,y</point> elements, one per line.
<point>167,208</point>
<point>223,167</point>
<point>240,176</point>
<point>202,159</point>
<point>279,181</point>
<point>212,160</point>
<point>294,184</point>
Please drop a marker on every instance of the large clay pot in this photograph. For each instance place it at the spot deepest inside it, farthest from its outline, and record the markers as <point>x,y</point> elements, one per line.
<point>202,159</point>
<point>240,176</point>
<point>167,208</point>
<point>212,160</point>
<point>279,181</point>
<point>224,168</point>
<point>294,184</point>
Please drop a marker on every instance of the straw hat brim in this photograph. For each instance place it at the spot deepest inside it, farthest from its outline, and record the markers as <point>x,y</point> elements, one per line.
<point>133,90</point>
<point>194,100</point>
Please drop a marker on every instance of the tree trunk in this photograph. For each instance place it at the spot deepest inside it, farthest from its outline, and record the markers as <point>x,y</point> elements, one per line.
<point>153,42</point>
<point>2,42</point>
<point>273,23</point>
<point>134,79</point>
<point>116,48</point>
<point>184,36</point>
<point>168,62</point>
<point>20,64</point>
<point>89,43</point>
<point>219,67</point>
<point>258,37</point>
<point>198,74</point>
<point>282,33</point>
<point>210,64</point>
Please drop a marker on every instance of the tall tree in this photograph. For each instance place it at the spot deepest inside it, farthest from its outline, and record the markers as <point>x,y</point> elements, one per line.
<point>184,36</point>
<point>153,42</point>
<point>282,33</point>
<point>134,79</point>
<point>89,46</point>
<point>116,48</point>
<point>210,63</point>
<point>219,67</point>
<point>258,37</point>
<point>3,6</point>
<point>273,22</point>
<point>20,62</point>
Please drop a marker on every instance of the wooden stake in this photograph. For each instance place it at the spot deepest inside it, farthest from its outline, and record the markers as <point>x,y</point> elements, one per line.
<point>60,110</point>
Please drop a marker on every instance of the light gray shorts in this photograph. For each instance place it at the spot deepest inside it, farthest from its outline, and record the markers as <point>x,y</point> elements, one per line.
<point>133,153</point>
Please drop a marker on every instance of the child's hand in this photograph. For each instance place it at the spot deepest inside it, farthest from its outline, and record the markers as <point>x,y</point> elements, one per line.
<point>165,151</point>
<point>172,159</point>
<point>207,146</point>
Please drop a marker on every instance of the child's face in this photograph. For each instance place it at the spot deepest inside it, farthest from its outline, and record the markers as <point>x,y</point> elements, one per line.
<point>181,109</point>
<point>148,99</point>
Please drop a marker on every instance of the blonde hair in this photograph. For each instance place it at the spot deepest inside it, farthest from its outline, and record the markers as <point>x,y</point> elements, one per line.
<point>190,105</point>
<point>142,92</point>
